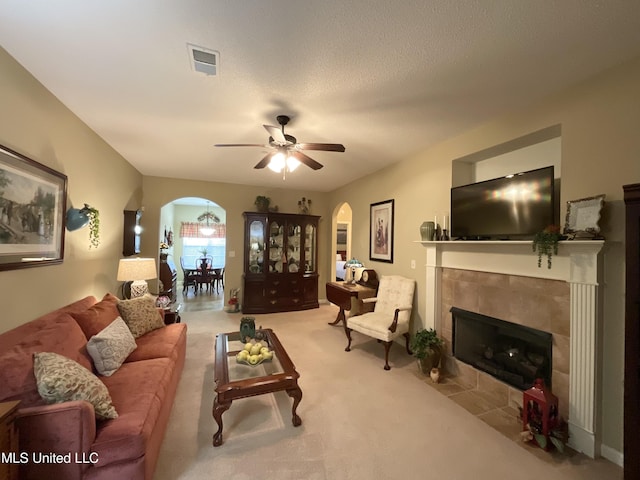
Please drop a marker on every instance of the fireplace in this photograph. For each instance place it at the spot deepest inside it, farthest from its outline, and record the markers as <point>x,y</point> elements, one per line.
<point>515,354</point>
<point>500,279</point>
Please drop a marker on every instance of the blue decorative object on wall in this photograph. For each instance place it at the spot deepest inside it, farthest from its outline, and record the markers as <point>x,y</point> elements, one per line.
<point>76,219</point>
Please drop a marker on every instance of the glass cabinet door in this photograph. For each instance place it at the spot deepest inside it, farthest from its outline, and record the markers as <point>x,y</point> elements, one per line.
<point>310,248</point>
<point>293,247</point>
<point>256,247</point>
<point>277,259</point>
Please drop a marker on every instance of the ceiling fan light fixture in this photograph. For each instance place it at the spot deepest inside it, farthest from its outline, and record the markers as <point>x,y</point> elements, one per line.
<point>277,162</point>
<point>292,163</point>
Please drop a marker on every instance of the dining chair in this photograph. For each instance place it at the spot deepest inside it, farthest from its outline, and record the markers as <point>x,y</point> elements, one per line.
<point>204,275</point>
<point>189,277</point>
<point>218,279</point>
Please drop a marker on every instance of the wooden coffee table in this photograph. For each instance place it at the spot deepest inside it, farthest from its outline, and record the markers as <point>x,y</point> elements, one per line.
<point>236,380</point>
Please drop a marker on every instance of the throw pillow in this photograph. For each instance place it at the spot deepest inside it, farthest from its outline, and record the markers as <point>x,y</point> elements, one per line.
<point>110,348</point>
<point>141,315</point>
<point>98,316</point>
<point>60,379</point>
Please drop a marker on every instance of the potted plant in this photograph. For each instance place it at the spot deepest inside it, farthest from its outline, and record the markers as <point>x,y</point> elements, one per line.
<point>262,203</point>
<point>427,348</point>
<point>545,243</point>
<point>94,224</point>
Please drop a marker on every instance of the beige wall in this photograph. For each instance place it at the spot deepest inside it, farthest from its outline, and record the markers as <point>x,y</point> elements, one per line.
<point>234,199</point>
<point>34,123</point>
<point>600,153</point>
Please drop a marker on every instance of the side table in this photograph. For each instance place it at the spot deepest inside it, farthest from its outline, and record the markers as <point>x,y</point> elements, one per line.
<point>9,440</point>
<point>172,314</point>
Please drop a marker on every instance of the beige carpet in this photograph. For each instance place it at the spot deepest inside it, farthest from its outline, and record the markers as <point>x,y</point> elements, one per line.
<point>358,421</point>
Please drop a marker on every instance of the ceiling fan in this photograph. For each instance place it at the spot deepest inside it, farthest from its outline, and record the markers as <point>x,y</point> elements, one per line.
<point>287,152</point>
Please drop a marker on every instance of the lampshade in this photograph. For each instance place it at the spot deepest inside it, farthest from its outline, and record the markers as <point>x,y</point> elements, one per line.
<point>353,263</point>
<point>137,270</point>
<point>76,219</point>
<point>207,230</point>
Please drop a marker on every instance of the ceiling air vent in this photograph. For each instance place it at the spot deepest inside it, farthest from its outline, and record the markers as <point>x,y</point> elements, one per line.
<point>203,60</point>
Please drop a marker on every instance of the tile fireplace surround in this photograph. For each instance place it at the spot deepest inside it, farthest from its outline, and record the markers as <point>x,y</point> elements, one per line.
<point>502,279</point>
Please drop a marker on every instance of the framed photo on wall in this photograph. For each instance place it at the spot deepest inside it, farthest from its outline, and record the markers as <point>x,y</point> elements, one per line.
<point>381,231</point>
<point>33,200</point>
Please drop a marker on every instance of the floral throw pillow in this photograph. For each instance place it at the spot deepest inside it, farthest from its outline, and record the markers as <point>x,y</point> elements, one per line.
<point>141,315</point>
<point>61,379</point>
<point>110,347</point>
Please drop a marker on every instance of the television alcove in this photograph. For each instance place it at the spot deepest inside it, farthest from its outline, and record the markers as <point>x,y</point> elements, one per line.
<point>511,207</point>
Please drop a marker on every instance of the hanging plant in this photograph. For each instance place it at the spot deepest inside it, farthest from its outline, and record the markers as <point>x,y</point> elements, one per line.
<point>545,243</point>
<point>94,224</point>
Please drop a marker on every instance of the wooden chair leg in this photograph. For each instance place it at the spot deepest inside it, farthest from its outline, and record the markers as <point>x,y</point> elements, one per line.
<point>348,332</point>
<point>387,347</point>
<point>407,337</point>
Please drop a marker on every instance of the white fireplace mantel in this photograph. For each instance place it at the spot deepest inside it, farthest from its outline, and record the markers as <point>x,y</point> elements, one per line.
<point>576,263</point>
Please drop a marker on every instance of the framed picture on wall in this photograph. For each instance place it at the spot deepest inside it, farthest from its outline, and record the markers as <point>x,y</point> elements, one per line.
<point>381,231</point>
<point>33,201</point>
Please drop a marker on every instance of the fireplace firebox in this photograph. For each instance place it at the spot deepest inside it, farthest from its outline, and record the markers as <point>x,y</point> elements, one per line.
<point>513,353</point>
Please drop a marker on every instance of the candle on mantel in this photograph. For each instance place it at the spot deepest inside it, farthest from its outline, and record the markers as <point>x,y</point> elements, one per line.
<point>445,222</point>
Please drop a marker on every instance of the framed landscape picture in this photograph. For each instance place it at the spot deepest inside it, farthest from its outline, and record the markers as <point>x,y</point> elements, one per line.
<point>33,201</point>
<point>381,231</point>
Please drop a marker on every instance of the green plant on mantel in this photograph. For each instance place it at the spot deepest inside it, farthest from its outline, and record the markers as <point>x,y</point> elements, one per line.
<point>94,225</point>
<point>545,243</point>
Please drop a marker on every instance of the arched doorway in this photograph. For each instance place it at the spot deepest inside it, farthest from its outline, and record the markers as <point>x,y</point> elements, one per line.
<point>196,227</point>
<point>341,239</point>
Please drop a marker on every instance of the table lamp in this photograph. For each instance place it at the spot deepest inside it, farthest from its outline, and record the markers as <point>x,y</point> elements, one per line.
<point>138,271</point>
<point>350,268</point>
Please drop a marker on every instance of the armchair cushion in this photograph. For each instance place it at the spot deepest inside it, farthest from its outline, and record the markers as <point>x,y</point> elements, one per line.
<point>395,292</point>
<point>376,325</point>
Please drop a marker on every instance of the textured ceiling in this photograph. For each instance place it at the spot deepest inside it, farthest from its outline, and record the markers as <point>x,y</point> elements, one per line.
<point>386,79</point>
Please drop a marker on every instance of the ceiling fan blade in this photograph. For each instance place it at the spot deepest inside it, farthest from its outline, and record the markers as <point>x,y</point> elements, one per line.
<point>276,134</point>
<point>327,147</point>
<point>265,161</point>
<point>308,161</point>
<point>241,145</point>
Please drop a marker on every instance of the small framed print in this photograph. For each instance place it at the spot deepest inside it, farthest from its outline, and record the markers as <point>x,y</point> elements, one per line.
<point>32,211</point>
<point>381,231</point>
<point>583,217</point>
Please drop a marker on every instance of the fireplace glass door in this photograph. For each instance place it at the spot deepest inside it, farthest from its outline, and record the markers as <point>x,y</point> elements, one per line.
<point>510,352</point>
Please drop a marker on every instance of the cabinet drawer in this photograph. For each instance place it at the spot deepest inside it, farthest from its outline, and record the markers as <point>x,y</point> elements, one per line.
<point>284,301</point>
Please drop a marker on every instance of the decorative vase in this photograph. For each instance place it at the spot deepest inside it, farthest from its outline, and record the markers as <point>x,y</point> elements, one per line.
<point>247,328</point>
<point>427,230</point>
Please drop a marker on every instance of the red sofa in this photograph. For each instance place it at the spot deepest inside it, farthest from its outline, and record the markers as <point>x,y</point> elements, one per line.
<point>142,391</point>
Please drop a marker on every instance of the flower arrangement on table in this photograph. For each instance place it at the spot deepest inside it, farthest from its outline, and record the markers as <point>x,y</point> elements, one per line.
<point>163,246</point>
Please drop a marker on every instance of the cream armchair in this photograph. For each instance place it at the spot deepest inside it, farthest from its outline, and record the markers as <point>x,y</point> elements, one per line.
<point>390,317</point>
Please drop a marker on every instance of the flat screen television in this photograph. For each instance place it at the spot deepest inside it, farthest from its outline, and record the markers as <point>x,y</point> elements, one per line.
<point>513,207</point>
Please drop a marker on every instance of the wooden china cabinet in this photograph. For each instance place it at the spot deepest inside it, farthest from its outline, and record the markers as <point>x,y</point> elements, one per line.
<point>632,334</point>
<point>280,262</point>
